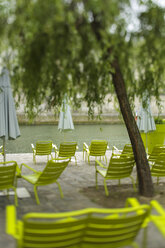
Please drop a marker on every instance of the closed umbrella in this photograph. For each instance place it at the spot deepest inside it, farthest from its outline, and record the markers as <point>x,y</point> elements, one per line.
<point>65,118</point>
<point>9,129</point>
<point>145,120</point>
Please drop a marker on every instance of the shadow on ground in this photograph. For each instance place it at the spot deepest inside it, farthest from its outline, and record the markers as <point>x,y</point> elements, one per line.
<point>119,194</point>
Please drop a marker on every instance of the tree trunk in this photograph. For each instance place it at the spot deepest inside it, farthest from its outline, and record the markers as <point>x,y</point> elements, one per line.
<point>143,170</point>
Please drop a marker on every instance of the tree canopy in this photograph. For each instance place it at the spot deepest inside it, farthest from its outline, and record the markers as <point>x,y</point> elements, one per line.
<point>61,46</point>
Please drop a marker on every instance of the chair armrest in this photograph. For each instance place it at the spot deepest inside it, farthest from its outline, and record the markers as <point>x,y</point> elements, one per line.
<point>28,168</point>
<point>133,202</point>
<point>2,151</point>
<point>77,147</point>
<point>115,150</point>
<point>100,164</point>
<point>11,220</point>
<point>54,147</point>
<point>85,146</point>
<point>154,204</point>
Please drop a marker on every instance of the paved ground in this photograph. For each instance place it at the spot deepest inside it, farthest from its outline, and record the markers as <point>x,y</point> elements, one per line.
<point>78,185</point>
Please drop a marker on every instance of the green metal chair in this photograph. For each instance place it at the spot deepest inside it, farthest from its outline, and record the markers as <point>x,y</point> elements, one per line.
<point>158,168</point>
<point>49,175</point>
<point>42,148</point>
<point>67,149</point>
<point>97,148</point>
<point>158,218</point>
<point>120,166</point>
<point>8,177</point>
<point>86,228</point>
<point>155,153</point>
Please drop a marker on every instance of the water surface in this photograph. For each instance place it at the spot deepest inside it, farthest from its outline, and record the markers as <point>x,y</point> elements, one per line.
<point>115,135</point>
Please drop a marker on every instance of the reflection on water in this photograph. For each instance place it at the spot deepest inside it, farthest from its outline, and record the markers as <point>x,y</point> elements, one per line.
<point>115,134</point>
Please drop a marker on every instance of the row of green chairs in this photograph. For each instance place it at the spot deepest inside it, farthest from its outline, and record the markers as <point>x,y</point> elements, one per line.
<point>9,172</point>
<point>45,148</point>
<point>97,148</point>
<point>86,228</point>
<point>122,162</point>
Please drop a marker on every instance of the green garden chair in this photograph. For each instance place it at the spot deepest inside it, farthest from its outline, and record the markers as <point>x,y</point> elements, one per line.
<point>158,168</point>
<point>49,175</point>
<point>158,218</point>
<point>42,148</point>
<point>97,148</point>
<point>67,149</point>
<point>120,166</point>
<point>155,153</point>
<point>86,228</point>
<point>8,172</point>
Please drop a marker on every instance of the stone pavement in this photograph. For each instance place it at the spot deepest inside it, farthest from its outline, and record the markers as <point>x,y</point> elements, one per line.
<point>75,182</point>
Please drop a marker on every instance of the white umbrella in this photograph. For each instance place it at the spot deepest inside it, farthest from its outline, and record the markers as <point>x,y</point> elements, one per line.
<point>65,119</point>
<point>9,128</point>
<point>145,120</point>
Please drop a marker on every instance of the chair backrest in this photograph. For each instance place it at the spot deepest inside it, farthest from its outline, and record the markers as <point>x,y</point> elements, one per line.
<point>127,149</point>
<point>67,149</point>
<point>43,147</point>
<point>86,228</point>
<point>120,166</point>
<point>52,171</point>
<point>7,174</point>
<point>158,169</point>
<point>155,152</point>
<point>98,147</point>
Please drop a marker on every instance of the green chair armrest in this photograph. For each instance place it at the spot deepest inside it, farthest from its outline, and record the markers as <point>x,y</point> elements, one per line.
<point>100,164</point>
<point>28,168</point>
<point>11,220</point>
<point>158,220</point>
<point>132,202</point>
<point>155,204</point>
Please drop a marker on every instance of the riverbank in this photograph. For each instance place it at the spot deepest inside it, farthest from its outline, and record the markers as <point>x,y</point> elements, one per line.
<point>77,119</point>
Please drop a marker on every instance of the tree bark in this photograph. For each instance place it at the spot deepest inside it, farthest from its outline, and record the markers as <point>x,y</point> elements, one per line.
<point>143,171</point>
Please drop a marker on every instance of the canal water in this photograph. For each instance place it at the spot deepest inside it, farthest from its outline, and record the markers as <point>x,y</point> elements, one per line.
<point>115,134</point>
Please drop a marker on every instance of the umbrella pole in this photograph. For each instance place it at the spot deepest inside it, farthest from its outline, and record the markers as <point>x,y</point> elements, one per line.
<point>4,150</point>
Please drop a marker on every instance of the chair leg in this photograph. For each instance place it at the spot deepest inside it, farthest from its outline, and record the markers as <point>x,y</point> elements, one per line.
<point>144,241</point>
<point>105,187</point>
<point>15,196</point>
<point>61,193</point>
<point>75,160</point>
<point>34,158</point>
<point>36,194</point>
<point>96,180</point>
<point>88,159</point>
<point>133,183</point>
<point>135,245</point>
<point>106,159</point>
